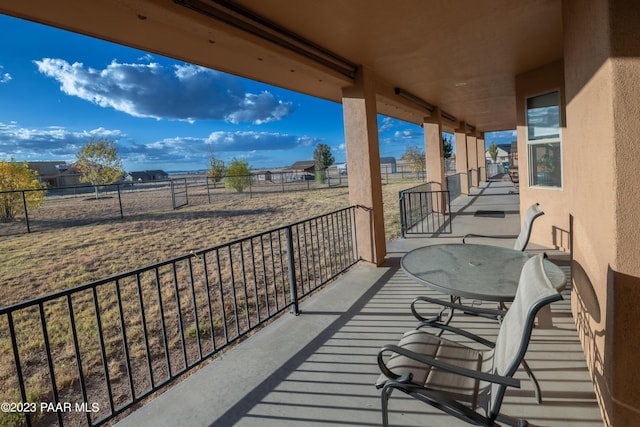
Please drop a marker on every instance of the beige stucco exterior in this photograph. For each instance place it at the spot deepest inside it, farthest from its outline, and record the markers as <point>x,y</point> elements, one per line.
<point>478,67</point>
<point>462,157</point>
<point>594,215</point>
<point>363,152</point>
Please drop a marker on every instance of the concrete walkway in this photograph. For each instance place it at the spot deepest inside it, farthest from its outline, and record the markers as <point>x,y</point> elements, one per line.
<point>318,368</point>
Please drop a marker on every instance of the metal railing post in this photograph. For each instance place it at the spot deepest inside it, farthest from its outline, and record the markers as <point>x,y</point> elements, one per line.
<point>26,212</point>
<point>173,195</point>
<point>291,266</point>
<point>120,201</point>
<point>403,221</point>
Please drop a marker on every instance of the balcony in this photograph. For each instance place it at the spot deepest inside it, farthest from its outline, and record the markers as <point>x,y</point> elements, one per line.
<point>318,368</point>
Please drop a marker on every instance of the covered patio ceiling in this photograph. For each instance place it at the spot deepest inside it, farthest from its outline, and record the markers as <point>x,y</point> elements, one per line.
<point>459,55</point>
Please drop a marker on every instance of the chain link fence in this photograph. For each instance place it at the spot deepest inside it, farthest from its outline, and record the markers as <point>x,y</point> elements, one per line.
<point>81,205</point>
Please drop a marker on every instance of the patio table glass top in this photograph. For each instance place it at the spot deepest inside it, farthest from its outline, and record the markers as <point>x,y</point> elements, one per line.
<point>484,272</point>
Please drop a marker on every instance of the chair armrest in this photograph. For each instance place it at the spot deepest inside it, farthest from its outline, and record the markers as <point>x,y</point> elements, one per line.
<point>434,322</point>
<point>458,331</point>
<point>490,313</point>
<point>430,361</point>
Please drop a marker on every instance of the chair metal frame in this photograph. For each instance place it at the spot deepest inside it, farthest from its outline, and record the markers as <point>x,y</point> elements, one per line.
<point>398,363</point>
<point>533,212</point>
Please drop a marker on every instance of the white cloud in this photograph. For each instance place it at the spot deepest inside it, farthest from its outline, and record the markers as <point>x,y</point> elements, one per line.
<point>407,134</point>
<point>47,143</point>
<point>258,141</point>
<point>386,123</point>
<point>4,77</point>
<point>57,143</point>
<point>184,92</point>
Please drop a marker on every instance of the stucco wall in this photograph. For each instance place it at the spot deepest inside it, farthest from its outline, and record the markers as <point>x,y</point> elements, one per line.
<point>595,214</point>
<point>552,229</point>
<point>624,288</point>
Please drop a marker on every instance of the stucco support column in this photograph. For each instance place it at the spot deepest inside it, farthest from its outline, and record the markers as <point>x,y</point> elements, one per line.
<point>462,166</point>
<point>434,150</point>
<point>472,159</point>
<point>482,160</point>
<point>363,164</point>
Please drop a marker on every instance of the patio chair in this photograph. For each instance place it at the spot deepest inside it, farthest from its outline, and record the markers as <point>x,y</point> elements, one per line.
<point>525,232</point>
<point>515,178</point>
<point>459,380</point>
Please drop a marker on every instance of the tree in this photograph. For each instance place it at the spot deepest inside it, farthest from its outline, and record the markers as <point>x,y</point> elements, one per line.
<point>323,159</point>
<point>416,158</point>
<point>99,164</point>
<point>18,176</point>
<point>216,169</point>
<point>493,151</point>
<point>447,147</point>
<point>238,175</point>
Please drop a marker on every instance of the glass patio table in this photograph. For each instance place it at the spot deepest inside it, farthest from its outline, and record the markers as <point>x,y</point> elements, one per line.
<point>479,272</point>
<point>482,272</point>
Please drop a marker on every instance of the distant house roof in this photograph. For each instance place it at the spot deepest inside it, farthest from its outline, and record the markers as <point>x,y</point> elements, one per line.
<point>148,175</point>
<point>157,172</point>
<point>385,160</point>
<point>48,168</point>
<point>303,165</point>
<point>504,150</point>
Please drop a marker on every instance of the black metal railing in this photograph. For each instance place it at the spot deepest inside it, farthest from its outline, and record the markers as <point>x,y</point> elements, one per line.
<point>424,210</point>
<point>85,355</point>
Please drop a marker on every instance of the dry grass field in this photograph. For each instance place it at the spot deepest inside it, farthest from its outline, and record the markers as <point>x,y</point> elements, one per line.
<point>36,264</point>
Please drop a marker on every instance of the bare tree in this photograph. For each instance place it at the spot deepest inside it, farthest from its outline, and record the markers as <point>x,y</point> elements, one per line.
<point>99,164</point>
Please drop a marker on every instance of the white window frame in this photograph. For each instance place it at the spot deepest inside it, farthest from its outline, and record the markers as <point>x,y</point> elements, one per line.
<point>542,140</point>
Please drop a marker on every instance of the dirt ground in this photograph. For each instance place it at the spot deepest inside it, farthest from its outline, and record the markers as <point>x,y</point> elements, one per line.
<point>76,239</point>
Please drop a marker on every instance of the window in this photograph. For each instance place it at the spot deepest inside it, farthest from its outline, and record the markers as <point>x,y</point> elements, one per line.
<point>543,140</point>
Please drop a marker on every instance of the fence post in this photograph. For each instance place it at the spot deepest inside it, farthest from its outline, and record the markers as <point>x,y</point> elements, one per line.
<point>291,265</point>
<point>26,212</point>
<point>120,201</point>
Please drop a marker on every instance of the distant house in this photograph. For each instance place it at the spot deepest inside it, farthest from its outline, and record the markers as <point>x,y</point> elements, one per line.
<point>145,176</point>
<point>263,176</point>
<point>56,174</point>
<point>503,155</point>
<point>302,170</point>
<point>308,166</point>
<point>388,165</point>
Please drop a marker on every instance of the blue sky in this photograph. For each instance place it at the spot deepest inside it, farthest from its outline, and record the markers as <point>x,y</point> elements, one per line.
<point>58,90</point>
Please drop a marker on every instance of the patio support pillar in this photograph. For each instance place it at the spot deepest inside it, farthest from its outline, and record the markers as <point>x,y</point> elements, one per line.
<point>363,164</point>
<point>434,150</point>
<point>482,159</point>
<point>472,159</point>
<point>460,136</point>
